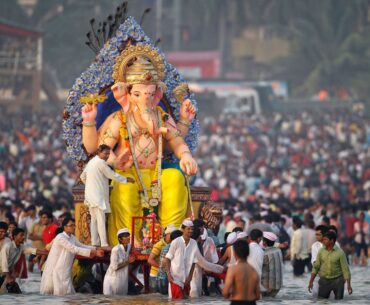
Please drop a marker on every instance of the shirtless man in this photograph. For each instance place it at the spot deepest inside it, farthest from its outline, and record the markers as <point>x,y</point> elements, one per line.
<point>242,281</point>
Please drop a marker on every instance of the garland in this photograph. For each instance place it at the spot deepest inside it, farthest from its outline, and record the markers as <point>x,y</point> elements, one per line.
<point>147,202</point>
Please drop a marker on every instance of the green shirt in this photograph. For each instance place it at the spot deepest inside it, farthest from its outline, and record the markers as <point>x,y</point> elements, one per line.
<point>331,264</point>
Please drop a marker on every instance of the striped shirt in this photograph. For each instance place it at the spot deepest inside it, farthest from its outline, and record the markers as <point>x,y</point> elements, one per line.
<point>272,269</point>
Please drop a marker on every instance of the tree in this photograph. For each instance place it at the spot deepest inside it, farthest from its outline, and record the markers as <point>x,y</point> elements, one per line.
<point>329,45</point>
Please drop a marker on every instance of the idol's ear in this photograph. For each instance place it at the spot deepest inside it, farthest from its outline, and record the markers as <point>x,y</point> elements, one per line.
<point>161,89</point>
<point>120,93</point>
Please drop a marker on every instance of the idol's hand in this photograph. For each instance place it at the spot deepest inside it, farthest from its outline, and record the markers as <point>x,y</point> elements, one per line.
<point>188,164</point>
<point>89,113</point>
<point>121,95</point>
<point>123,160</point>
<point>119,90</point>
<point>187,111</point>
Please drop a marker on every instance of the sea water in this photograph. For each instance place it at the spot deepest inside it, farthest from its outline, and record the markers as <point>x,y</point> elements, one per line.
<point>294,292</point>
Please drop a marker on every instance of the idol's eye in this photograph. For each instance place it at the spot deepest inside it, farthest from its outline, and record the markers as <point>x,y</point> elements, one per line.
<point>136,94</point>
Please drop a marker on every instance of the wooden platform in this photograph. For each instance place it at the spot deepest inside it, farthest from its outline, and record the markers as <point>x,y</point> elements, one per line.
<point>199,195</point>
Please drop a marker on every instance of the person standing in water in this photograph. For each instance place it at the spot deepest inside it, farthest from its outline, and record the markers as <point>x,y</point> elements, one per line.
<point>242,284</point>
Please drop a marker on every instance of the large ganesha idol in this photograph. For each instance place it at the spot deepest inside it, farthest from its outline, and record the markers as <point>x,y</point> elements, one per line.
<point>140,132</point>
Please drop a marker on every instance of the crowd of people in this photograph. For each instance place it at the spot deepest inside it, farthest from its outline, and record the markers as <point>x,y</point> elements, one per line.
<point>249,264</point>
<point>295,158</point>
<point>33,164</point>
<point>284,182</point>
<point>293,163</point>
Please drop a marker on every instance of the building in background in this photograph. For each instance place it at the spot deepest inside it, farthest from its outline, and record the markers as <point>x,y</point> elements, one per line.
<point>20,65</point>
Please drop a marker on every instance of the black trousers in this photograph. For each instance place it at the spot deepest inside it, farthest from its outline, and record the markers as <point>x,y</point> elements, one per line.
<point>298,266</point>
<point>326,286</point>
<point>237,302</point>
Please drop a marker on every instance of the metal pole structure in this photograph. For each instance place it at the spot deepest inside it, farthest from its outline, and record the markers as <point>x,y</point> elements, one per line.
<point>37,78</point>
<point>159,14</point>
<point>222,38</point>
<point>39,54</point>
<point>177,27</point>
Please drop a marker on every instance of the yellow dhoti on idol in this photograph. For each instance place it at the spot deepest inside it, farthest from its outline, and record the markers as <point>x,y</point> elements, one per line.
<point>125,201</point>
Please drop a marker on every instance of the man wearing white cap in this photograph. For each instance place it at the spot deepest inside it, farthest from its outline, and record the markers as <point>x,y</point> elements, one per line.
<point>209,247</point>
<point>229,256</point>
<point>153,259</point>
<point>272,269</point>
<point>180,262</point>
<point>116,278</point>
<point>242,236</point>
<point>196,283</point>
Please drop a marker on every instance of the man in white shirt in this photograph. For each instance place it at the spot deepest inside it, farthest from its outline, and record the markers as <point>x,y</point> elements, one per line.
<point>317,245</point>
<point>197,282</point>
<point>117,276</point>
<point>27,224</point>
<point>299,250</point>
<point>229,222</point>
<point>180,262</point>
<point>3,238</point>
<point>11,253</point>
<point>95,177</point>
<point>56,278</point>
<point>30,219</point>
<point>209,247</point>
<point>255,257</point>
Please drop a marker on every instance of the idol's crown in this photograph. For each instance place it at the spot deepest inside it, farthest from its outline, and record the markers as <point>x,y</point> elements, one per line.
<point>139,64</point>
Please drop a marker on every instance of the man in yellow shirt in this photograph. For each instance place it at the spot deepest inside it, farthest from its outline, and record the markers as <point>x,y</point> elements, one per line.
<point>35,234</point>
<point>153,259</point>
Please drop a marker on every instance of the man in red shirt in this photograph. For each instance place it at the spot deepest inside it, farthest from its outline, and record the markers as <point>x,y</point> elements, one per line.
<point>46,219</point>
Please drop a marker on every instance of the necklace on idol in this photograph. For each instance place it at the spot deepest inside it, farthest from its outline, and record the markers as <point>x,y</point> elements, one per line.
<point>147,202</point>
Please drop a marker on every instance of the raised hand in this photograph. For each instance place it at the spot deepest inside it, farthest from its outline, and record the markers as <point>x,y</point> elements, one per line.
<point>187,111</point>
<point>121,95</point>
<point>89,112</point>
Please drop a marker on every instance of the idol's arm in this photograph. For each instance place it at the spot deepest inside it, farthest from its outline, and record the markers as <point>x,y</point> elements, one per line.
<point>187,115</point>
<point>89,132</point>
